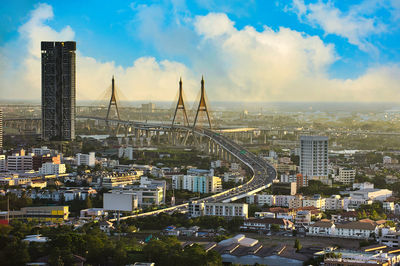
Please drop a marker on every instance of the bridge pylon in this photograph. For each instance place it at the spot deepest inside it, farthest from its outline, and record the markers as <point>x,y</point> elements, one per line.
<point>113,101</point>
<point>180,105</point>
<point>202,105</point>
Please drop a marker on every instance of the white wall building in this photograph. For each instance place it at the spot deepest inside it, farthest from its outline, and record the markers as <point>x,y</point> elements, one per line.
<point>316,201</point>
<point>387,160</point>
<point>334,202</point>
<point>314,157</point>
<point>374,194</point>
<point>52,169</point>
<point>263,199</point>
<point>364,185</point>
<point>218,209</point>
<point>86,159</point>
<point>283,200</point>
<point>202,184</point>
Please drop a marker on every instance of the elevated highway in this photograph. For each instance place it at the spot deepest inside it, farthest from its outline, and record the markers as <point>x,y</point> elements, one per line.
<point>263,172</point>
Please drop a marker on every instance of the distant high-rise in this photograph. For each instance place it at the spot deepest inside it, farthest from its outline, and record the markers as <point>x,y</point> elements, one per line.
<point>314,157</point>
<point>58,90</point>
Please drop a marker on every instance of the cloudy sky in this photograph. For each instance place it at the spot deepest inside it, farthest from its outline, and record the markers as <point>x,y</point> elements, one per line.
<point>292,50</point>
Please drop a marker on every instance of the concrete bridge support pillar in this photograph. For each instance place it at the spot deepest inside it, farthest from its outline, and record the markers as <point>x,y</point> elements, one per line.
<point>251,137</point>
<point>137,133</point>
<point>173,136</point>
<point>126,130</point>
<point>158,136</point>
<point>148,139</point>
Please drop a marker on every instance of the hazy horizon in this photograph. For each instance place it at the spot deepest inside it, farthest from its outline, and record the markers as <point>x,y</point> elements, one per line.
<point>308,51</point>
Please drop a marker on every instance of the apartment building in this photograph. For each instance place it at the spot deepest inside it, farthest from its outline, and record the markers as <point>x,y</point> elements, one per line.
<point>316,201</point>
<point>19,162</point>
<point>347,175</point>
<point>86,159</point>
<point>334,202</point>
<point>201,184</point>
<point>218,209</point>
<point>52,169</point>
<point>314,157</point>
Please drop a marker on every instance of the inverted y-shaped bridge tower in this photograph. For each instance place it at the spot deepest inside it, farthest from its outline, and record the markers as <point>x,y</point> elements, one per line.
<point>113,101</point>
<point>202,105</point>
<point>180,105</point>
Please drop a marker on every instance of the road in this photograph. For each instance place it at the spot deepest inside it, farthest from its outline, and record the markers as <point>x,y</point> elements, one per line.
<point>263,173</point>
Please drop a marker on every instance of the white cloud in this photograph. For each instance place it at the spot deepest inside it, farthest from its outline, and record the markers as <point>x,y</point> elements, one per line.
<point>239,65</point>
<point>285,65</point>
<point>20,77</point>
<point>352,25</point>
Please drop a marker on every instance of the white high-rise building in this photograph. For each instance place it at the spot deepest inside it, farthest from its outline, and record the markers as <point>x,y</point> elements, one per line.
<point>86,159</point>
<point>314,157</point>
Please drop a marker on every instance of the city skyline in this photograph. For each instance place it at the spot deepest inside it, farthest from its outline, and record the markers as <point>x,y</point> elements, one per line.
<point>292,51</point>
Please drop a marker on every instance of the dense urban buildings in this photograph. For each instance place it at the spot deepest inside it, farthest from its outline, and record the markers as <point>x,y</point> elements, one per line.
<point>58,90</point>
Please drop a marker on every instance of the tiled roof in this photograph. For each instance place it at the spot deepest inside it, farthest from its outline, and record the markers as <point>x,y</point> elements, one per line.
<point>322,223</point>
<point>280,221</point>
<point>358,225</point>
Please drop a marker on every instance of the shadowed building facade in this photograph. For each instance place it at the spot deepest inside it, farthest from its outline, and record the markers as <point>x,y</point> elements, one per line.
<point>58,90</point>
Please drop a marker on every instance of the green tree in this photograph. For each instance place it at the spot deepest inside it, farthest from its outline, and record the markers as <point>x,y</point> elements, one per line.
<point>297,245</point>
<point>88,202</point>
<point>275,228</point>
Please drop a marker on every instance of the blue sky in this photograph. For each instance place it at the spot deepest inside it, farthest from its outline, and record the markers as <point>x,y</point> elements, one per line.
<point>331,50</point>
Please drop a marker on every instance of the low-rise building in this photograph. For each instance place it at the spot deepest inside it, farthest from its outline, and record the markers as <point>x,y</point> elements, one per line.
<point>334,202</point>
<point>361,186</point>
<point>391,239</point>
<point>218,209</point>
<point>321,228</point>
<point>363,229</point>
<point>52,169</point>
<point>374,194</point>
<point>201,184</point>
<point>264,224</point>
<point>55,214</point>
<point>303,218</point>
<point>315,201</point>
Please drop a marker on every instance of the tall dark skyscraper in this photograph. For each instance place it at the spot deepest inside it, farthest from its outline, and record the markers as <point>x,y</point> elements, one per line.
<point>58,90</point>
